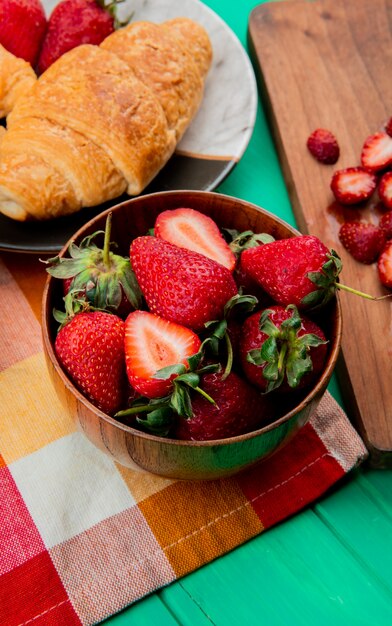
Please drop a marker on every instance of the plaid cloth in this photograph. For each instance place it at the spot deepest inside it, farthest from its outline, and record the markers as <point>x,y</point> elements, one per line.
<point>82,537</point>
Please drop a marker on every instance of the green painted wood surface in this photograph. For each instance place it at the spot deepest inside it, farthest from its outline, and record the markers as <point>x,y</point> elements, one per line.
<point>329,565</point>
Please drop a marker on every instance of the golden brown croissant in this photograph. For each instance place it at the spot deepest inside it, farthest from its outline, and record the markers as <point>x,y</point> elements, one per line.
<point>102,120</point>
<point>16,78</point>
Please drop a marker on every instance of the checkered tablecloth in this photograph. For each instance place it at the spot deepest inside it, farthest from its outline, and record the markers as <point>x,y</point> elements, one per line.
<point>81,537</point>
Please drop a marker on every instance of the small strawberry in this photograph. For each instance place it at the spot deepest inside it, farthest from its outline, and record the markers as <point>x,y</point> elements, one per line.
<point>384,265</point>
<point>388,127</point>
<point>151,344</point>
<point>385,189</point>
<point>322,144</point>
<point>385,224</point>
<point>22,28</point>
<point>190,229</point>
<point>300,270</point>
<point>282,349</point>
<point>377,152</point>
<point>106,280</point>
<point>353,185</point>
<point>364,241</point>
<point>181,285</point>
<point>90,347</point>
<point>76,22</point>
<point>238,409</point>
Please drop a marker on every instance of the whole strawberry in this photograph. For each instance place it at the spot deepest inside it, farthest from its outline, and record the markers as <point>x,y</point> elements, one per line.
<point>104,279</point>
<point>280,348</point>
<point>323,145</point>
<point>22,28</point>
<point>363,240</point>
<point>90,347</point>
<point>238,409</point>
<point>181,285</point>
<point>76,22</point>
<point>300,270</point>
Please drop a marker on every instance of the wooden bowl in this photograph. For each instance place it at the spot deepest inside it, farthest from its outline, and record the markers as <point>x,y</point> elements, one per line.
<point>169,457</point>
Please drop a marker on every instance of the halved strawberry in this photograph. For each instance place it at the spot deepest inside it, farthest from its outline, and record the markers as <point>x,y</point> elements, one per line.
<point>152,343</point>
<point>190,229</point>
<point>385,189</point>
<point>384,266</point>
<point>322,144</point>
<point>385,224</point>
<point>364,241</point>
<point>353,184</point>
<point>377,152</point>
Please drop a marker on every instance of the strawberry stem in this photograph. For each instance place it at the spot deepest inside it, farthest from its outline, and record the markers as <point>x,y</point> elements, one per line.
<point>361,293</point>
<point>204,394</point>
<point>281,358</point>
<point>106,243</point>
<point>229,362</point>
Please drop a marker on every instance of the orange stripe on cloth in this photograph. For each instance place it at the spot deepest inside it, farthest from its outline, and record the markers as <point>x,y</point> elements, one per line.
<point>29,273</point>
<point>20,332</point>
<point>210,519</point>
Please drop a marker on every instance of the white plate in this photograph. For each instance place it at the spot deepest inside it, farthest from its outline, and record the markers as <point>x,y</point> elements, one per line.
<point>213,143</point>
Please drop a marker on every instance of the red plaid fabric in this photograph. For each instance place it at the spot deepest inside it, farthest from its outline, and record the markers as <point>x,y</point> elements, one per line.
<point>81,536</point>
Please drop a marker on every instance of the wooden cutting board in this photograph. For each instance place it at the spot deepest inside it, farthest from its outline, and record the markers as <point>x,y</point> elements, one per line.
<point>328,64</point>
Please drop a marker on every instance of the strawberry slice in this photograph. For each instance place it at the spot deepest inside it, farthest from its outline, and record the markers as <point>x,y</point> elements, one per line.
<point>190,229</point>
<point>152,343</point>
<point>384,266</point>
<point>322,144</point>
<point>353,184</point>
<point>377,152</point>
<point>364,241</point>
<point>385,189</point>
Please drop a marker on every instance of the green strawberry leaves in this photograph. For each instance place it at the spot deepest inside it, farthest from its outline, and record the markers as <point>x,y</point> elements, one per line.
<point>325,281</point>
<point>103,275</point>
<point>284,354</point>
<point>247,239</point>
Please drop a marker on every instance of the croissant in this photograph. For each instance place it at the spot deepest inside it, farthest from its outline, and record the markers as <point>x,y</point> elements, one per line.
<point>102,120</point>
<point>16,77</point>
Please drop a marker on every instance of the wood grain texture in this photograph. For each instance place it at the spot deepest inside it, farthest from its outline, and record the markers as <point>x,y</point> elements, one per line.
<point>327,64</point>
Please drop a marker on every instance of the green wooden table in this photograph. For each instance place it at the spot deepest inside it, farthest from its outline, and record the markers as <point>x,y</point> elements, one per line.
<point>331,564</point>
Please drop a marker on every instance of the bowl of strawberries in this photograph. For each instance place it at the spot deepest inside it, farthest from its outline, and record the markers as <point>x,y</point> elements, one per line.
<point>189,333</point>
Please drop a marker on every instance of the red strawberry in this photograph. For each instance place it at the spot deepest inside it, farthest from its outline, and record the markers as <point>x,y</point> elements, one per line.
<point>364,241</point>
<point>384,265</point>
<point>353,185</point>
<point>104,279</point>
<point>75,22</point>
<point>152,343</point>
<point>385,189</point>
<point>90,347</point>
<point>377,152</point>
<point>238,409</point>
<point>22,28</point>
<point>180,285</point>
<point>300,270</point>
<point>322,144</point>
<point>385,224</point>
<point>195,231</point>
<point>281,349</point>
<point>388,127</point>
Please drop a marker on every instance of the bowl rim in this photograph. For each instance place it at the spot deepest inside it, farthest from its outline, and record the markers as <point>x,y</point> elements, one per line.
<point>316,390</point>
